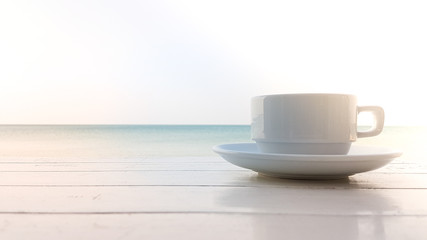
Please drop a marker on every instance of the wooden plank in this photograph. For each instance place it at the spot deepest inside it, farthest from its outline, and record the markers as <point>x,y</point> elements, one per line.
<point>210,226</point>
<point>115,167</point>
<point>59,159</point>
<point>407,158</point>
<point>245,178</point>
<point>146,199</point>
<point>167,166</point>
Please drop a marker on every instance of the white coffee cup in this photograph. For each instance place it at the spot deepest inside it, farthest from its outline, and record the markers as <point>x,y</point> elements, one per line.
<point>313,123</point>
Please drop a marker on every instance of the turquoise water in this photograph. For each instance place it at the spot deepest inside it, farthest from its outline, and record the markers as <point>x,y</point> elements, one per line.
<point>143,141</point>
<point>115,141</point>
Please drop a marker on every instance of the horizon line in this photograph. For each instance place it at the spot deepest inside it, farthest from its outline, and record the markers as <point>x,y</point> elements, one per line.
<point>165,124</point>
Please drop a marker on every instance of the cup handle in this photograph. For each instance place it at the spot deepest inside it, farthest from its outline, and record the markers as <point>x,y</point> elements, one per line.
<point>378,114</point>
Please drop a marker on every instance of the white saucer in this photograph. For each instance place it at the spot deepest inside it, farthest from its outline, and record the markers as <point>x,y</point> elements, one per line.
<point>298,166</point>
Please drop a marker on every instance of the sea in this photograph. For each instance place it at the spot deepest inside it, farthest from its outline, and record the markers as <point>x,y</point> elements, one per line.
<point>115,142</point>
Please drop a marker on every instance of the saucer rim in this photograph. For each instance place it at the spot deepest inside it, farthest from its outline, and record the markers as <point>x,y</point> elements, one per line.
<point>386,152</point>
<point>307,167</point>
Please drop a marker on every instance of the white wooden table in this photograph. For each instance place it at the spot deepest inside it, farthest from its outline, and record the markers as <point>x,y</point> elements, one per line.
<point>206,198</point>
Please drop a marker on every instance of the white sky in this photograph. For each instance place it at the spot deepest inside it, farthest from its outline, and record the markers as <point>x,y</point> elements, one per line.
<point>200,62</point>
